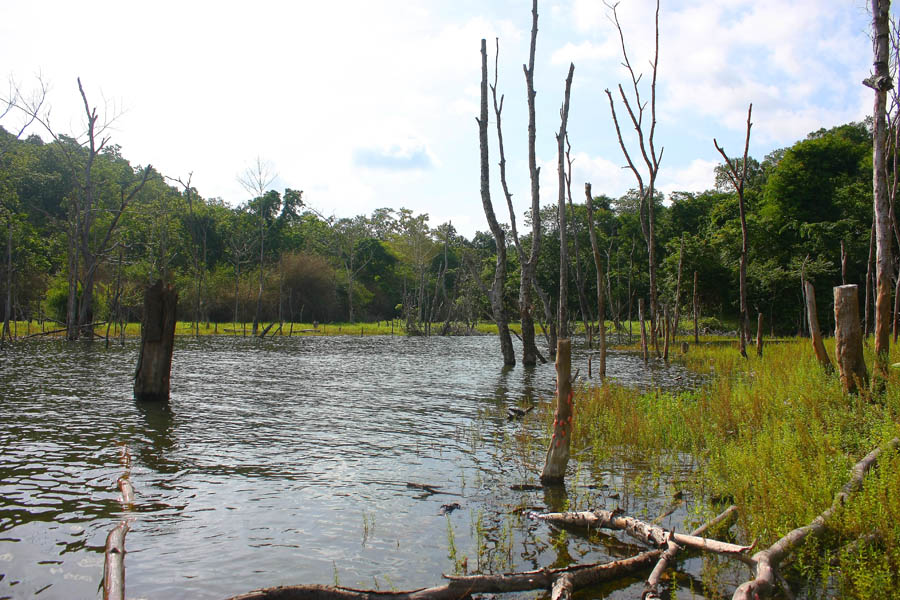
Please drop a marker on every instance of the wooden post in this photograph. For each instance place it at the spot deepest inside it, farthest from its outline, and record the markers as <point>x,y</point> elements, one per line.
<point>848,350</point>
<point>759,329</point>
<point>151,380</point>
<point>814,332</point>
<point>643,328</point>
<point>558,453</point>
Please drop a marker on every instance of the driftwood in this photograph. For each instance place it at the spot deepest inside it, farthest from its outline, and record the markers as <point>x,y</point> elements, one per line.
<point>562,581</point>
<point>642,531</point>
<point>114,553</point>
<point>766,562</point>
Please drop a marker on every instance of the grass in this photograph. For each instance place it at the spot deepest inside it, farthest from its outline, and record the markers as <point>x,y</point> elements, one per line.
<point>776,436</point>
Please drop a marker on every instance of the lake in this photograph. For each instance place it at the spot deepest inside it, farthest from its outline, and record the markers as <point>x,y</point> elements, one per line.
<point>286,461</point>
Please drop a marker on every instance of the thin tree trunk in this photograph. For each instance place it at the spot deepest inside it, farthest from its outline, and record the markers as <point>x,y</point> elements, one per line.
<point>496,295</point>
<point>677,317</point>
<point>643,329</point>
<point>598,265</point>
<point>869,268</point>
<point>7,333</point>
<point>558,453</point>
<point>696,303</point>
<point>881,82</point>
<point>759,335</point>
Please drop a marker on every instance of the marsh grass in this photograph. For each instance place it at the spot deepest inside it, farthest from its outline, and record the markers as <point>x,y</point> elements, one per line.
<point>774,435</point>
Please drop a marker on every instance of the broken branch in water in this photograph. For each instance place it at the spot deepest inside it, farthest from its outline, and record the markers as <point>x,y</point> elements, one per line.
<point>562,581</point>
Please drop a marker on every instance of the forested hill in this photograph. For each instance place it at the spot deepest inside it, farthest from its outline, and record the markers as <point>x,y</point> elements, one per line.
<point>271,257</point>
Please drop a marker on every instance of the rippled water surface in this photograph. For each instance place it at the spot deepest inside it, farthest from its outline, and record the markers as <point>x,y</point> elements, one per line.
<point>278,461</point>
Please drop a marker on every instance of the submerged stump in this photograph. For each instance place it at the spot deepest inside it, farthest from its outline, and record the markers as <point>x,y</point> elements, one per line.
<point>151,379</point>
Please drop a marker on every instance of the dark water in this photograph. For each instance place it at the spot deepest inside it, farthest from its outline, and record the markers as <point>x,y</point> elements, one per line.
<point>285,461</point>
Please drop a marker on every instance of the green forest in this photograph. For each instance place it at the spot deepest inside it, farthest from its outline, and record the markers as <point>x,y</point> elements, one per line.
<point>73,216</point>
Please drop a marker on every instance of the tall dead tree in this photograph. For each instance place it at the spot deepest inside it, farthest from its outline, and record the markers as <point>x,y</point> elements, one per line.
<point>558,453</point>
<point>579,280</point>
<point>598,265</point>
<point>529,267</point>
<point>636,108</point>
<point>880,81</point>
<point>256,179</point>
<point>496,292</point>
<point>738,178</point>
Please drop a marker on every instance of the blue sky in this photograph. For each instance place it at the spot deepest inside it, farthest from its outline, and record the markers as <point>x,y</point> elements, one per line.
<point>365,104</point>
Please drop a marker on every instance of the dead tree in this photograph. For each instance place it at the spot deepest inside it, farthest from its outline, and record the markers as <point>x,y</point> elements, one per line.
<point>558,453</point>
<point>696,306</point>
<point>677,316</point>
<point>738,179</point>
<point>815,333</point>
<point>766,562</point>
<point>579,280</point>
<point>256,180</point>
<point>848,349</point>
<point>880,81</point>
<point>636,111</point>
<point>598,265</point>
<point>151,379</point>
<point>496,293</point>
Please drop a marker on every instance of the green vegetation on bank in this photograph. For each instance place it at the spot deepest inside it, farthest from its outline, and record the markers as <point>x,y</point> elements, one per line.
<point>775,436</point>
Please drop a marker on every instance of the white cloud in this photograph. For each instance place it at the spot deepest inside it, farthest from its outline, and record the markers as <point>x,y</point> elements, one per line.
<point>698,176</point>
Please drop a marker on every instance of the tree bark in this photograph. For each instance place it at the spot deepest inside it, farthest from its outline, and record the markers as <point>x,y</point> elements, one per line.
<point>814,333</point>
<point>848,350</point>
<point>759,335</point>
<point>881,83</point>
<point>151,380</point>
<point>496,295</point>
<point>558,453</point>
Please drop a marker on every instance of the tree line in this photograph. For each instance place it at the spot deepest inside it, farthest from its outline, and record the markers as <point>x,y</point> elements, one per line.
<point>87,231</point>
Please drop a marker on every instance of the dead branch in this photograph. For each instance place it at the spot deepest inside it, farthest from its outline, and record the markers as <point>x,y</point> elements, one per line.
<point>642,531</point>
<point>766,562</point>
<point>460,587</point>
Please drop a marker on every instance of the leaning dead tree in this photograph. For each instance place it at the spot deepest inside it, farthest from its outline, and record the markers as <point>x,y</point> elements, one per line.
<point>880,81</point>
<point>636,109</point>
<point>496,292</point>
<point>738,178</point>
<point>557,458</point>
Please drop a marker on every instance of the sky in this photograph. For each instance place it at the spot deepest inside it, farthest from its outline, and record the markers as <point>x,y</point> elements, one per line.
<point>365,104</point>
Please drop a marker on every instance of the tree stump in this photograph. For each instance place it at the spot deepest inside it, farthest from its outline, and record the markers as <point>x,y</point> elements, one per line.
<point>151,379</point>
<point>848,348</point>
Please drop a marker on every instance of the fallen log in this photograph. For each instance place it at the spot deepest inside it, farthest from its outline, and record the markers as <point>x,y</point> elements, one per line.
<point>644,532</point>
<point>766,562</point>
<point>114,563</point>
<point>460,587</point>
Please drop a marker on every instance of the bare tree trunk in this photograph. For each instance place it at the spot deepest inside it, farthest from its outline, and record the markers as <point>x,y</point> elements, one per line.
<point>528,269</point>
<point>496,295</point>
<point>881,83</point>
<point>759,335</point>
<point>151,380</point>
<point>843,264</point>
<point>738,179</point>
<point>579,280</point>
<point>558,453</point>
<point>814,333</point>
<point>643,328</point>
<point>696,304</point>
<point>677,317</point>
<point>848,350</point>
<point>561,213</point>
<point>7,333</point>
<point>869,268</point>
<point>598,265</point>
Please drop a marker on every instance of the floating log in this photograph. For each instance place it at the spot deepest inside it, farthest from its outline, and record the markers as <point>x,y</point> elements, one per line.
<point>151,380</point>
<point>848,349</point>
<point>766,561</point>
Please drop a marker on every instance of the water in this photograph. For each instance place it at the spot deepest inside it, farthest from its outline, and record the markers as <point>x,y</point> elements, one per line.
<point>285,461</point>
